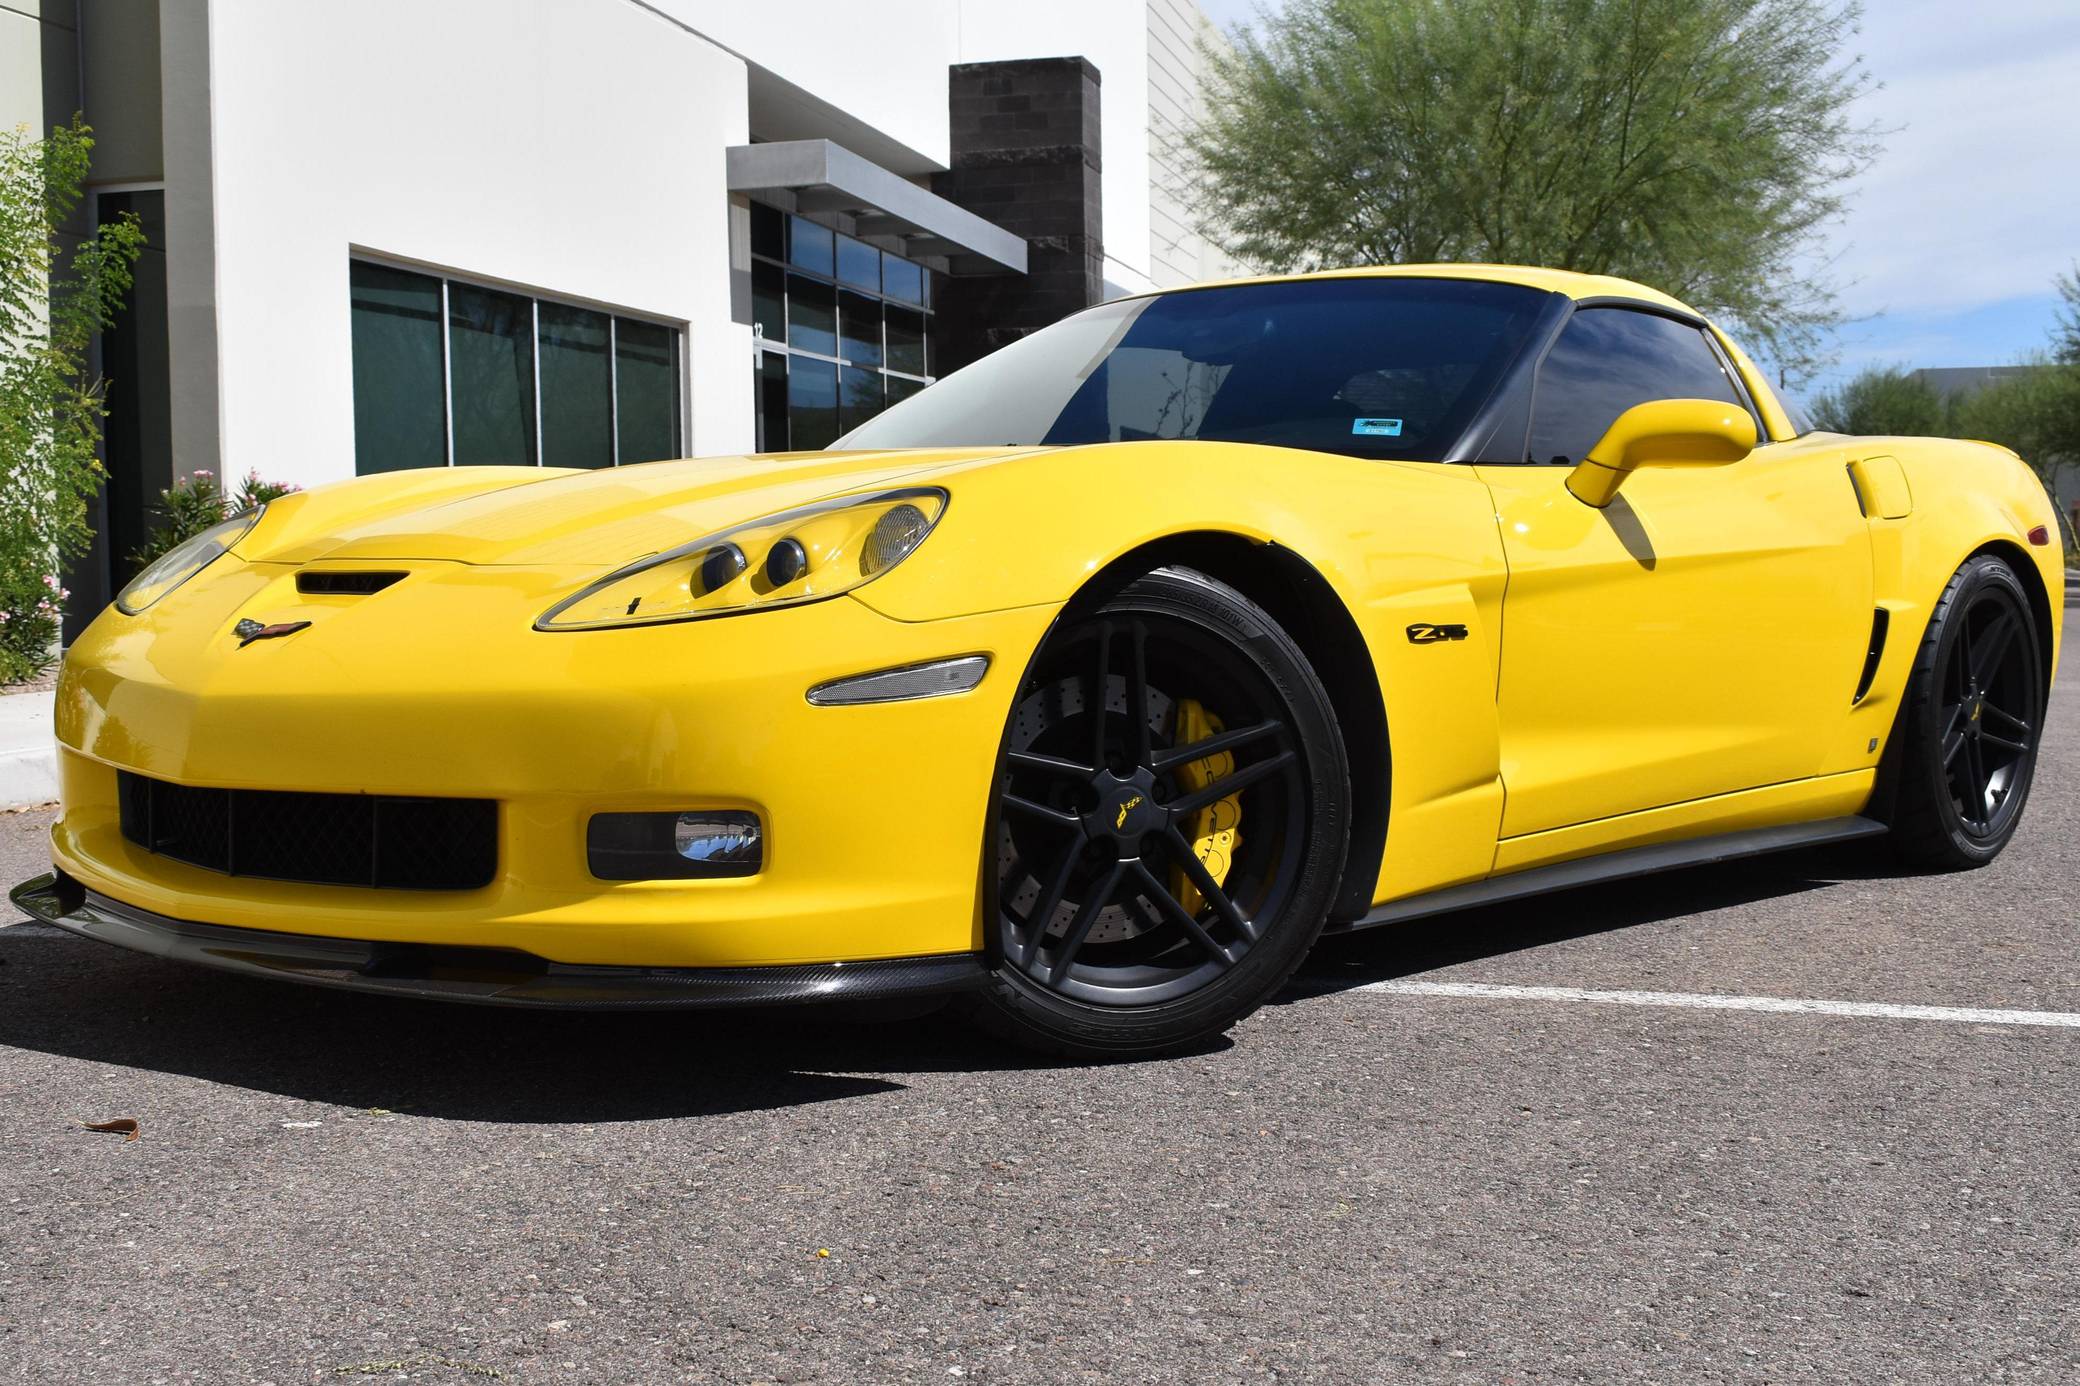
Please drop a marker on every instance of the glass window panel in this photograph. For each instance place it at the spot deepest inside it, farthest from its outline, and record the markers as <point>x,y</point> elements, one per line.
<point>768,231</point>
<point>902,280</point>
<point>859,264</point>
<point>577,388</point>
<point>400,416</point>
<point>812,316</point>
<point>491,361</point>
<point>646,363</point>
<point>1390,368</point>
<point>1606,361</point>
<point>859,325</point>
<point>906,341</point>
<point>772,402</point>
<point>861,396</point>
<point>900,389</point>
<point>812,404</point>
<point>810,245</point>
<point>769,300</point>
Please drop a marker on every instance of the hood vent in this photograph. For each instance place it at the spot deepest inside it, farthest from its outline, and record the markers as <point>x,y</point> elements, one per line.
<point>343,584</point>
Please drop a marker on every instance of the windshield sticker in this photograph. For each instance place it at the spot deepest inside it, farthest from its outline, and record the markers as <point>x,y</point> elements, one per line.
<point>1376,428</point>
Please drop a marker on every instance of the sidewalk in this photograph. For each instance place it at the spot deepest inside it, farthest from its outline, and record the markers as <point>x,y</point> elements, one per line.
<point>28,752</point>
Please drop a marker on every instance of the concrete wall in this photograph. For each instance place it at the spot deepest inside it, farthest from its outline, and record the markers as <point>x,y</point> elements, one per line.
<point>1178,254</point>
<point>39,63</point>
<point>1113,35</point>
<point>120,90</point>
<point>1025,155</point>
<point>569,147</point>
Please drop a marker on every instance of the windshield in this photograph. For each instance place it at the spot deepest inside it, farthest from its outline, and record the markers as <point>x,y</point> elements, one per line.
<point>1373,367</point>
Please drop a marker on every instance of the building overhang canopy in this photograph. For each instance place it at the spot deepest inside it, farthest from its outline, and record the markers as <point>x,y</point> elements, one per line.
<point>824,177</point>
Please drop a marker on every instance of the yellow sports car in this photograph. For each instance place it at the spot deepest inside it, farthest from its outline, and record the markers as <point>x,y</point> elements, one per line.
<point>1092,684</point>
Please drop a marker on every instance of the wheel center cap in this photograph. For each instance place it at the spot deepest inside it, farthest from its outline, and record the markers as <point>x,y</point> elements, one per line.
<point>1127,810</point>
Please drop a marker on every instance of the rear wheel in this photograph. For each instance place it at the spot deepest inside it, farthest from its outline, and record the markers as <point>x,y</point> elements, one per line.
<point>1169,824</point>
<point>1970,727</point>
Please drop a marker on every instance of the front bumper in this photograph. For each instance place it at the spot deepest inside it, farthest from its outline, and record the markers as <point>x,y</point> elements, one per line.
<point>484,976</point>
<point>437,686</point>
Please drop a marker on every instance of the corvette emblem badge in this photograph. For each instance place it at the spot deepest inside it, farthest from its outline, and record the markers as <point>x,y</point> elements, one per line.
<point>250,630</point>
<point>1124,809</point>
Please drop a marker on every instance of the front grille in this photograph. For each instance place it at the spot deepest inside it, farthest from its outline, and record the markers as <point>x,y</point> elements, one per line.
<point>327,839</point>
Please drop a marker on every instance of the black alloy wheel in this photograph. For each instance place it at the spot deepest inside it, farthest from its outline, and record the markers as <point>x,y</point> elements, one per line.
<point>1169,822</point>
<point>1973,719</point>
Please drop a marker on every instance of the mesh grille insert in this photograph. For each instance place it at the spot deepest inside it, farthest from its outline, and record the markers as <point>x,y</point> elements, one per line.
<point>327,839</point>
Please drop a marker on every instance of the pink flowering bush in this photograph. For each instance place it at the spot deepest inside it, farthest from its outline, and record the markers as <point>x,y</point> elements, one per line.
<point>31,605</point>
<point>196,502</point>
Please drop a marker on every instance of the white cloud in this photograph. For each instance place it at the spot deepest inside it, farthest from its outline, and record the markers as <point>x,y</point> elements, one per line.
<point>1977,195</point>
<point>1976,198</point>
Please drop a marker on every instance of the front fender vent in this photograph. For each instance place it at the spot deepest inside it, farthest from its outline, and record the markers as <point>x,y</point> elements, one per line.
<point>1881,620</point>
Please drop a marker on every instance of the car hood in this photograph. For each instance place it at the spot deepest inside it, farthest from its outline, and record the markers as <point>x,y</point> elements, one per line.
<point>607,517</point>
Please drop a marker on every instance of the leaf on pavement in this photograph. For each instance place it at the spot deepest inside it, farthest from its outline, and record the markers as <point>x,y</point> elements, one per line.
<point>126,1126</point>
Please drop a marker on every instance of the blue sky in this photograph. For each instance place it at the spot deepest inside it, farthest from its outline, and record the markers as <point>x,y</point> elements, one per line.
<point>1948,250</point>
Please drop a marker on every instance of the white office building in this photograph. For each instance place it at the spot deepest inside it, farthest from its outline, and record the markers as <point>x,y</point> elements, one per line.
<point>396,233</point>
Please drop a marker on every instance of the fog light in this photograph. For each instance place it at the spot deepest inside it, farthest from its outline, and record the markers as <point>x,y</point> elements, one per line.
<point>718,839</point>
<point>700,844</point>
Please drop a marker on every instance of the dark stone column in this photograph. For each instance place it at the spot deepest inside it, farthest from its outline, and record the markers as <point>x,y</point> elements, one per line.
<point>1025,155</point>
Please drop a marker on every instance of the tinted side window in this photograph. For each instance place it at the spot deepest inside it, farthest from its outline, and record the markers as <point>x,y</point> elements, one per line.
<point>1606,361</point>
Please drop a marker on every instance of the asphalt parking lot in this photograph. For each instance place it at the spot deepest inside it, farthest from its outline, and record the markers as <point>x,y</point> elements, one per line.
<point>1364,1184</point>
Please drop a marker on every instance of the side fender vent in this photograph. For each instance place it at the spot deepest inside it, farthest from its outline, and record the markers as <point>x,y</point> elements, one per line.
<point>1881,620</point>
<point>344,584</point>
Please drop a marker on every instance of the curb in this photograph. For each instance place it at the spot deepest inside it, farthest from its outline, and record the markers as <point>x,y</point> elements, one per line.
<point>28,750</point>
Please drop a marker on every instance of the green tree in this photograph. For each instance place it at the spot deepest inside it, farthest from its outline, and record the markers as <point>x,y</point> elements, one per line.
<point>51,408</point>
<point>2034,412</point>
<point>2065,336</point>
<point>1882,402</point>
<point>1695,145</point>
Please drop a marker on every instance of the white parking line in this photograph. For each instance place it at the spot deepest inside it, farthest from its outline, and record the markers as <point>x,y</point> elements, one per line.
<point>1705,1001</point>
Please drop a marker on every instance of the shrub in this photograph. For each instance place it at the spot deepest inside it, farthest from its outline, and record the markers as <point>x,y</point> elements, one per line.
<point>194,503</point>
<point>31,604</point>
<point>51,304</point>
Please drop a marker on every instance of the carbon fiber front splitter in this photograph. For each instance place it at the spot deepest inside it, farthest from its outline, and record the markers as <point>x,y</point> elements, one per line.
<point>484,976</point>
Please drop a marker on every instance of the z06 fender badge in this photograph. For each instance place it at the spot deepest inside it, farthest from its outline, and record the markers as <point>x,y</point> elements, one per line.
<point>250,630</point>
<point>1424,633</point>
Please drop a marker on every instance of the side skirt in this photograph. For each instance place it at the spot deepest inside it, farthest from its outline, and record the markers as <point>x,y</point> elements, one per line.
<point>1618,866</point>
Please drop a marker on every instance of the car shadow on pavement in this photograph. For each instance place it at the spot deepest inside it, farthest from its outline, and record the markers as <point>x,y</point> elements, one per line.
<point>83,1000</point>
<point>1393,951</point>
<point>66,996</point>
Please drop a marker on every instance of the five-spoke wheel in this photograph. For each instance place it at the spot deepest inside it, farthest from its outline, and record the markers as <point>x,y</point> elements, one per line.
<point>1169,821</point>
<point>1971,721</point>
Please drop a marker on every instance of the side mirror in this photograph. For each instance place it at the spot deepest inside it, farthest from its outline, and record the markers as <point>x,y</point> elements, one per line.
<point>1662,433</point>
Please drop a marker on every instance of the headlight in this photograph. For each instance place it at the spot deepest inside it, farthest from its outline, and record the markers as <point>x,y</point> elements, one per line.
<point>800,556</point>
<point>184,560</point>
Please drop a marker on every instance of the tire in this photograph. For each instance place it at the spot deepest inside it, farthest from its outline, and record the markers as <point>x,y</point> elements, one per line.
<point>1134,908</point>
<point>1969,727</point>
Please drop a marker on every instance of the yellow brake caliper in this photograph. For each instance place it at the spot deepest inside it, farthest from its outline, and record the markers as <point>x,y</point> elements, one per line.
<point>1216,830</point>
